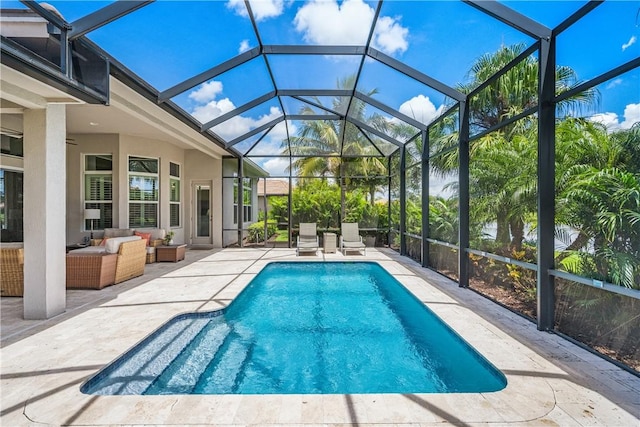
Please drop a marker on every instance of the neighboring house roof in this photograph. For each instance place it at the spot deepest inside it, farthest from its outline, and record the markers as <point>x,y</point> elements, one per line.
<point>275,187</point>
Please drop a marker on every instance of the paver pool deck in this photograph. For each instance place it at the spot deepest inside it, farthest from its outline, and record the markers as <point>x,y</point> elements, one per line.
<point>43,363</point>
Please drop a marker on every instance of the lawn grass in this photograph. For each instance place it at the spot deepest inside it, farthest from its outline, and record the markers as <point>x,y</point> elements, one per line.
<point>282,236</point>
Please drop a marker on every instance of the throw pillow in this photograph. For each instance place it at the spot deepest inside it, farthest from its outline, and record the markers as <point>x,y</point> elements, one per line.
<point>146,236</point>
<point>104,241</point>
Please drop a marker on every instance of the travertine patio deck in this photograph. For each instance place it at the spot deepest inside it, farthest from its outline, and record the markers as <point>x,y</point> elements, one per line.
<point>43,364</point>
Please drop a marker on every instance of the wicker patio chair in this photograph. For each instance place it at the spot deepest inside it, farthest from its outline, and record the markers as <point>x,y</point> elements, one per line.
<point>91,271</point>
<point>12,272</point>
<point>132,257</point>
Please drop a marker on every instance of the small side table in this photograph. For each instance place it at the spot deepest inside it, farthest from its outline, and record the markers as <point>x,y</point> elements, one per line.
<point>172,253</point>
<point>329,243</point>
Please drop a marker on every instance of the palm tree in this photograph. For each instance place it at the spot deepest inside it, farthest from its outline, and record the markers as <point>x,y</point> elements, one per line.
<point>502,185</point>
<point>517,89</point>
<point>503,163</point>
<point>598,188</point>
<point>326,137</point>
<point>443,218</point>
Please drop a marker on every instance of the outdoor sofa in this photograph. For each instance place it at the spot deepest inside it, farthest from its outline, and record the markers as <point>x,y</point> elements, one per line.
<point>94,267</point>
<point>155,238</point>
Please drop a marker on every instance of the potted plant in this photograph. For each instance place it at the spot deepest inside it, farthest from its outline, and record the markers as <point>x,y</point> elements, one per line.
<point>168,239</point>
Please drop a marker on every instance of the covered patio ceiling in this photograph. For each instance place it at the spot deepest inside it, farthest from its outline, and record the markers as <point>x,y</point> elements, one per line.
<point>368,82</point>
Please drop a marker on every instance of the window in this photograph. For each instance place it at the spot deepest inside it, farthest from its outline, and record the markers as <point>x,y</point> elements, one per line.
<point>98,189</point>
<point>174,195</point>
<point>11,213</point>
<point>11,145</point>
<point>143,192</point>
<point>247,197</point>
<point>235,201</point>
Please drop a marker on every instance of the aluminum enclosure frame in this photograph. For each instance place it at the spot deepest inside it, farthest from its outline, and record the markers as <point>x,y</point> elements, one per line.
<point>544,45</point>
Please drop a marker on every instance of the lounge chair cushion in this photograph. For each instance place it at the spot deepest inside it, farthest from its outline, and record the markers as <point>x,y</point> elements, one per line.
<point>353,244</point>
<point>312,244</point>
<point>308,238</point>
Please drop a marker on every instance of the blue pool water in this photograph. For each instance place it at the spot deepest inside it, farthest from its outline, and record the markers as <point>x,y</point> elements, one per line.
<point>304,328</point>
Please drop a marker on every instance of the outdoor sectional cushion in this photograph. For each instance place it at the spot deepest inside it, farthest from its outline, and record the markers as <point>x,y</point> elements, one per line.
<point>111,247</point>
<point>156,233</point>
<point>113,244</point>
<point>89,250</point>
<point>145,236</point>
<point>118,232</point>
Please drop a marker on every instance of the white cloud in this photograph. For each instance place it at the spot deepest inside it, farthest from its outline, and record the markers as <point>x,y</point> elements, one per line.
<point>279,132</point>
<point>244,46</point>
<point>613,84</point>
<point>612,121</point>
<point>628,44</point>
<point>276,166</point>
<point>212,109</point>
<point>326,22</point>
<point>329,23</point>
<point>206,91</point>
<point>390,36</point>
<point>631,115</point>
<point>262,9</point>
<point>235,126</point>
<point>421,108</point>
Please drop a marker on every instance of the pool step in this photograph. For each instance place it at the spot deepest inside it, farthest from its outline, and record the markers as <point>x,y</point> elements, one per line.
<point>226,368</point>
<point>134,374</point>
<point>182,375</point>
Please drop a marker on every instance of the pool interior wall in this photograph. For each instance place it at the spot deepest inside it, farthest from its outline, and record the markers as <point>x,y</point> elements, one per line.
<point>305,328</point>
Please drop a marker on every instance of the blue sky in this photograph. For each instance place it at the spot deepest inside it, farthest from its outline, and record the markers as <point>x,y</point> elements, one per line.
<point>169,41</point>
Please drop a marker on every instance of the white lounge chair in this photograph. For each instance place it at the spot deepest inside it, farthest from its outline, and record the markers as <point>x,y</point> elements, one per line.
<point>307,238</point>
<point>350,238</point>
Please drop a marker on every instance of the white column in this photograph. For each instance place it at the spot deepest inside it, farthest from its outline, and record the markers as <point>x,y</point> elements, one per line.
<point>44,212</point>
<point>123,185</point>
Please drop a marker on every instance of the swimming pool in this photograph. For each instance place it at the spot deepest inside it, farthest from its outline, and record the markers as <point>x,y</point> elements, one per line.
<point>305,328</point>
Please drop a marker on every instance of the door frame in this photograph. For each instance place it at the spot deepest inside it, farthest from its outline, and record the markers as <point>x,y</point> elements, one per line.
<point>195,239</point>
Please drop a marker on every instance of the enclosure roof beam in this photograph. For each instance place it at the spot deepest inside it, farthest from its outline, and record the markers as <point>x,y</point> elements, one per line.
<point>255,131</point>
<point>586,8</point>
<point>360,125</point>
<point>313,92</point>
<point>317,105</point>
<point>312,117</point>
<point>504,69</point>
<point>209,74</point>
<point>313,50</point>
<point>370,141</point>
<point>512,18</point>
<point>47,14</point>
<point>415,74</point>
<point>249,105</point>
<point>395,113</point>
<point>104,16</point>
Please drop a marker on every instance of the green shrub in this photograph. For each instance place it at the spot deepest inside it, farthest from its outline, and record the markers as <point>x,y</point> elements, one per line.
<point>256,231</point>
